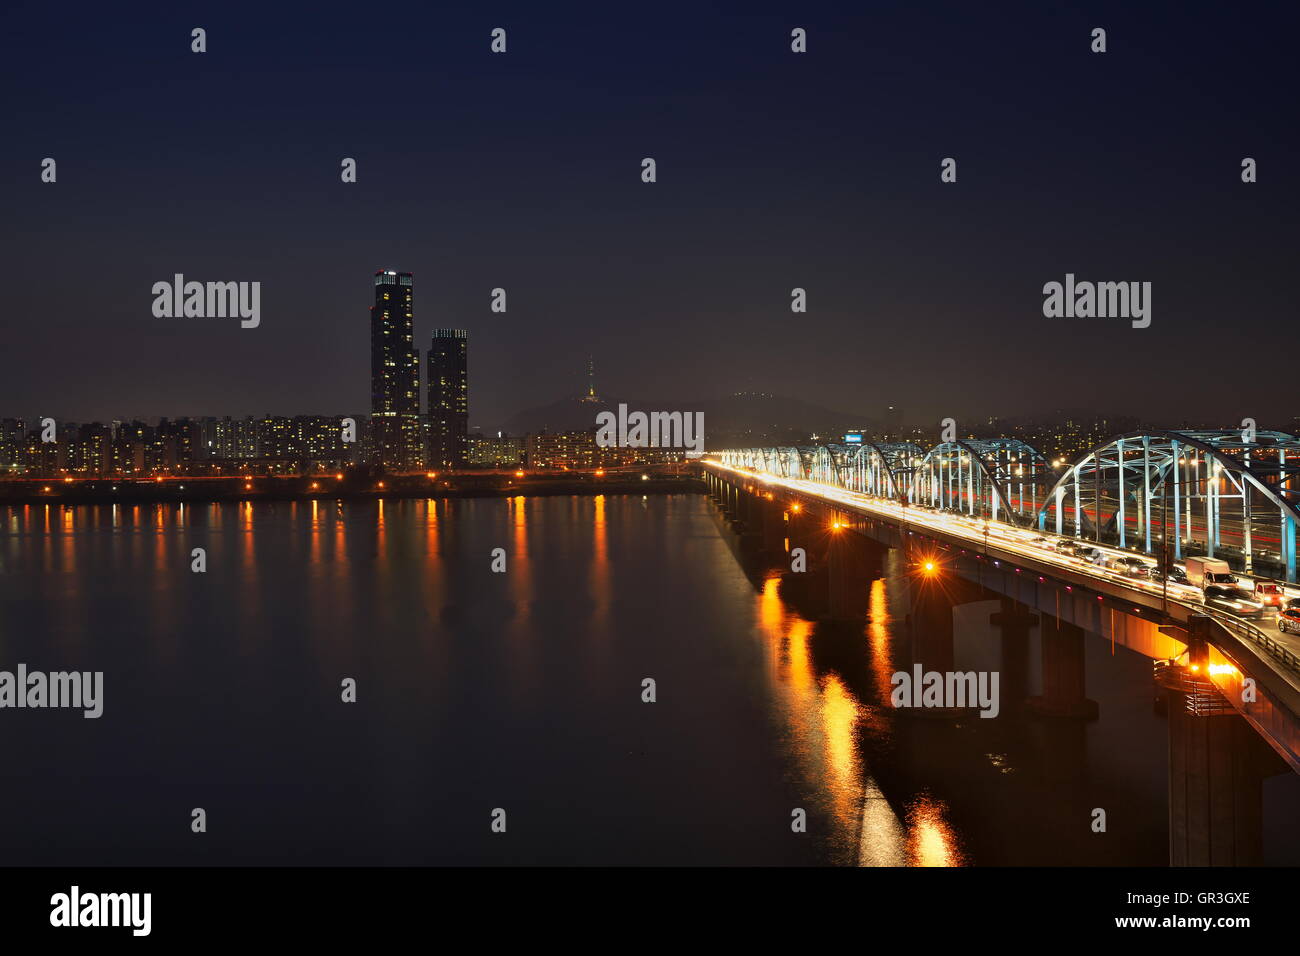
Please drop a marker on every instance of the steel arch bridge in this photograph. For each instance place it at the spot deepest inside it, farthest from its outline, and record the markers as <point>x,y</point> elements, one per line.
<point>1000,478</point>
<point>1211,492</point>
<point>1218,493</point>
<point>884,470</point>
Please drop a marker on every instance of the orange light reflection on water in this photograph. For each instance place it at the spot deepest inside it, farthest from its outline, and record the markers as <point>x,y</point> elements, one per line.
<point>930,838</point>
<point>825,720</point>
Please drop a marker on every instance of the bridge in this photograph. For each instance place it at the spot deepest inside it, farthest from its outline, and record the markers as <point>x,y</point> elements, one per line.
<point>994,519</point>
<point>1210,492</point>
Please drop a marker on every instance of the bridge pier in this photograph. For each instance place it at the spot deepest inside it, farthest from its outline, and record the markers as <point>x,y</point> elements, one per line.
<point>1063,673</point>
<point>931,624</point>
<point>934,593</point>
<point>797,523</point>
<point>734,499</point>
<point>1014,621</point>
<point>850,569</point>
<point>722,494</point>
<point>773,530</point>
<point>1216,792</point>
<point>1217,766</point>
<point>740,503</point>
<point>749,517</point>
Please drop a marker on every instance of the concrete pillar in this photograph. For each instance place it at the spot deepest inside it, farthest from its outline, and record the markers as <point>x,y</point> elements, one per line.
<point>1014,620</point>
<point>931,621</point>
<point>751,513</point>
<point>773,527</point>
<point>1063,673</point>
<point>742,500</point>
<point>1199,628</point>
<point>1215,789</point>
<point>749,519</point>
<point>849,571</point>
<point>796,529</point>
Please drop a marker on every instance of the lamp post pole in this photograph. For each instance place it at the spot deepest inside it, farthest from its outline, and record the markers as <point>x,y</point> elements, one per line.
<point>1164,537</point>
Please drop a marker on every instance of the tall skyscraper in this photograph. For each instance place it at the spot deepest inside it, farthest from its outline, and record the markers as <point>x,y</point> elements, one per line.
<point>394,374</point>
<point>591,395</point>
<point>448,399</point>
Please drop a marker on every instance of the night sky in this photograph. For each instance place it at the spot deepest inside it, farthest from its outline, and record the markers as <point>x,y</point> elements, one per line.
<point>775,170</point>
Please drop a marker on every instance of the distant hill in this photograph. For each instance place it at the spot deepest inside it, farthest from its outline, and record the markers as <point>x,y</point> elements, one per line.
<point>742,419</point>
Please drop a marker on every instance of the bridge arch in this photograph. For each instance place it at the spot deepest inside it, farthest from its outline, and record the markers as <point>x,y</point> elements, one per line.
<point>831,464</point>
<point>1216,492</point>
<point>999,478</point>
<point>789,462</point>
<point>884,470</point>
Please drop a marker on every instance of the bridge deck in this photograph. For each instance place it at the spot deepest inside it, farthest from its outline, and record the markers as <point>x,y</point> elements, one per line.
<point>1003,542</point>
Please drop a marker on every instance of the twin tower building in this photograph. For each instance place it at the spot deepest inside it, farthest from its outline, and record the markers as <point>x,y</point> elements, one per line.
<point>404,439</point>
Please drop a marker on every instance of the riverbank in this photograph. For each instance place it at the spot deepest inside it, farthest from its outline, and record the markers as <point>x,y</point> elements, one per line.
<point>262,488</point>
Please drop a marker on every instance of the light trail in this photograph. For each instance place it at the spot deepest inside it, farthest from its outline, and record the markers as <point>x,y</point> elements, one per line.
<point>977,532</point>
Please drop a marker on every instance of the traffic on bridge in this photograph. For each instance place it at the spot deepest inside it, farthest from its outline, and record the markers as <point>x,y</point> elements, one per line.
<point>1187,522</point>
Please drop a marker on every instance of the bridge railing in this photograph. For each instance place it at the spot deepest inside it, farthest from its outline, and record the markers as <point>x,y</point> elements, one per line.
<point>1253,634</point>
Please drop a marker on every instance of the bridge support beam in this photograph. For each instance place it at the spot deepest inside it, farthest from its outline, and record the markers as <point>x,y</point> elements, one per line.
<point>740,512</point>
<point>931,624</point>
<point>804,529</point>
<point>749,516</point>
<point>850,568</point>
<point>1014,620</point>
<point>773,528</point>
<point>725,491</point>
<point>1217,765</point>
<point>934,594</point>
<point>1063,673</point>
<point>1216,776</point>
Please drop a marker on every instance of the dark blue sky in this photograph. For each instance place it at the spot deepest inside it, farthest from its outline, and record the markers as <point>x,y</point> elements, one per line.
<point>775,170</point>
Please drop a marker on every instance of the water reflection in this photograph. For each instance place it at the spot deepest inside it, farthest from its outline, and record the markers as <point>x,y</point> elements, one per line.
<point>477,684</point>
<point>930,839</point>
<point>826,719</point>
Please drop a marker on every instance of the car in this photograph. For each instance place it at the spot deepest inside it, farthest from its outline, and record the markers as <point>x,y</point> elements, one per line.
<point>1066,547</point>
<point>1131,566</point>
<point>1288,621</point>
<point>1269,594</point>
<point>1039,542</point>
<point>1237,601</point>
<point>1176,575</point>
<point>1090,554</point>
